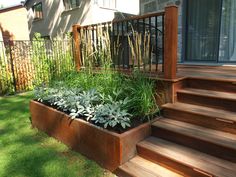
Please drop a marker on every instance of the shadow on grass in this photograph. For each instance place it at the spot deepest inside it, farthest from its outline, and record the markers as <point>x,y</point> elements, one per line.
<point>25,152</point>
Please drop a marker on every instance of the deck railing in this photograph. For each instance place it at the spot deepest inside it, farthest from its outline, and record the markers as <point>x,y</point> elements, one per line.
<point>147,43</point>
<point>140,42</point>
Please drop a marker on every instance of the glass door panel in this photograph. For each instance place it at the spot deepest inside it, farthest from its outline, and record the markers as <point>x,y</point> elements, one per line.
<point>203,28</point>
<point>227,47</point>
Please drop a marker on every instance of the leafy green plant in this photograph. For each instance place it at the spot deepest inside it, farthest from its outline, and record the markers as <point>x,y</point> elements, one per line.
<point>6,80</point>
<point>89,104</point>
<point>142,91</point>
<point>112,115</point>
<point>137,87</point>
<point>85,104</point>
<point>104,82</point>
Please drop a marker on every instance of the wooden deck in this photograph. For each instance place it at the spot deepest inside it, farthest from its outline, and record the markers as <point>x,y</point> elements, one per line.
<point>223,73</point>
<point>210,72</point>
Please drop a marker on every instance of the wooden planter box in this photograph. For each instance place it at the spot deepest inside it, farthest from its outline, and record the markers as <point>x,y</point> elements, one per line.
<point>108,149</point>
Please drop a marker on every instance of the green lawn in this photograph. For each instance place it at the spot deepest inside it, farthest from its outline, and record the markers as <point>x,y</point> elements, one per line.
<point>25,152</point>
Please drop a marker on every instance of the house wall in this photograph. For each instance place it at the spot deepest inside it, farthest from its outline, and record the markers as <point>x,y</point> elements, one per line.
<point>57,21</point>
<point>151,6</point>
<point>128,6</point>
<point>13,24</point>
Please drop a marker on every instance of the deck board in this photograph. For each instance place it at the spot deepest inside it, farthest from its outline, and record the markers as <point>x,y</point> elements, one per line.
<point>140,167</point>
<point>214,72</point>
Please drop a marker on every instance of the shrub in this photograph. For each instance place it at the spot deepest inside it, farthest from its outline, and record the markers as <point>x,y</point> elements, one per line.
<point>142,91</point>
<point>89,104</point>
<point>111,115</point>
<point>105,81</point>
<point>104,97</point>
<point>137,87</point>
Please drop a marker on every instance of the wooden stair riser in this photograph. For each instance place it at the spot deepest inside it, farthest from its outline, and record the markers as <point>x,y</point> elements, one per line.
<point>195,143</point>
<point>201,120</point>
<point>171,164</point>
<point>209,84</point>
<point>121,173</point>
<point>212,102</point>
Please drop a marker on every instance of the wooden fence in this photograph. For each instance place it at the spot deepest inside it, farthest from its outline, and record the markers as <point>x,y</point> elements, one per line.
<point>24,64</point>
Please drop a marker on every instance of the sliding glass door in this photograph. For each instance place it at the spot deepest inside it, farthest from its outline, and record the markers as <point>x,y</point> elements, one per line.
<point>227,52</point>
<point>203,30</point>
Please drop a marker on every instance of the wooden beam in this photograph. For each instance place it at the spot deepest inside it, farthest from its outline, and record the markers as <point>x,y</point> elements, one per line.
<point>77,51</point>
<point>170,42</point>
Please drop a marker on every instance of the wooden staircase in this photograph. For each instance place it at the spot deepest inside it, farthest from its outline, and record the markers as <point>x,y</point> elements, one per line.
<point>195,137</point>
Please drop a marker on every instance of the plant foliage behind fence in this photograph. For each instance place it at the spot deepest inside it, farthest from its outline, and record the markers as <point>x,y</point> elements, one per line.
<point>25,64</point>
<point>132,43</point>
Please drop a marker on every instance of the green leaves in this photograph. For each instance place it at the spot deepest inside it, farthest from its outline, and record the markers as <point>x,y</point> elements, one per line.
<point>112,115</point>
<point>92,105</point>
<point>142,93</point>
<point>108,99</point>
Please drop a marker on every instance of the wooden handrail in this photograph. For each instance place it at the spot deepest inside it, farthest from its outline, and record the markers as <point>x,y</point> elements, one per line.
<point>138,17</point>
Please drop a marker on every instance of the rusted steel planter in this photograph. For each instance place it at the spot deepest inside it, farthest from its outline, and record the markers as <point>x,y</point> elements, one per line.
<point>108,149</point>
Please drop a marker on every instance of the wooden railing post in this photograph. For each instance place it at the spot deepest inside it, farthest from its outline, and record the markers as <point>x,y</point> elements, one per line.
<point>170,42</point>
<point>77,52</point>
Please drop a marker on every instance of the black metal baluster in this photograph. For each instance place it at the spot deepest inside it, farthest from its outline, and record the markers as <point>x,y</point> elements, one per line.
<point>138,49</point>
<point>123,38</point>
<point>12,67</point>
<point>131,38</point>
<point>113,43</point>
<point>163,41</point>
<point>22,67</point>
<point>156,43</point>
<point>93,44</point>
<point>144,36</point>
<point>150,43</point>
<point>118,35</point>
<point>127,44</point>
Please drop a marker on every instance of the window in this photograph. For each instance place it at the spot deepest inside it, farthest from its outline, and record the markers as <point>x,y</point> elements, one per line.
<point>150,7</point>
<point>110,4</point>
<point>70,4</point>
<point>38,11</point>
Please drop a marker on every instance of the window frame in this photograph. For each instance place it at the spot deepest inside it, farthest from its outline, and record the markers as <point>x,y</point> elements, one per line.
<point>40,16</point>
<point>101,4</point>
<point>152,4</point>
<point>68,4</point>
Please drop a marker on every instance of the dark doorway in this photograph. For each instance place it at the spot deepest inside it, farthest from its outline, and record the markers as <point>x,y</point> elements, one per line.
<point>203,30</point>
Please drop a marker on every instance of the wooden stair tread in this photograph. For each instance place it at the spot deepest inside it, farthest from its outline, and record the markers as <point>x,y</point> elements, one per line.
<point>222,115</point>
<point>190,157</point>
<point>209,93</point>
<point>206,134</point>
<point>220,79</point>
<point>141,167</point>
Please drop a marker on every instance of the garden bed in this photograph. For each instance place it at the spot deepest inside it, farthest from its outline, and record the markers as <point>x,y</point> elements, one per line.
<point>107,148</point>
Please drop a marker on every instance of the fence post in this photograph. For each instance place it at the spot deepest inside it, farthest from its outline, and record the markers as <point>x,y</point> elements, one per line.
<point>12,64</point>
<point>170,42</point>
<point>76,40</point>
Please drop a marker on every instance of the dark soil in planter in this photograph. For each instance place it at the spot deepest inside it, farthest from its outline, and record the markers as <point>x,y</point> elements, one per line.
<point>135,122</point>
